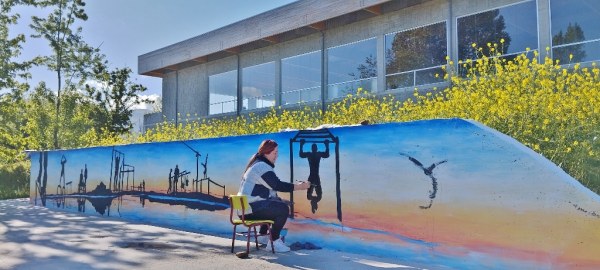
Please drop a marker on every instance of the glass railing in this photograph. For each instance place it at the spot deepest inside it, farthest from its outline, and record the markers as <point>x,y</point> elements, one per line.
<point>342,89</point>
<point>222,107</point>
<point>577,52</point>
<point>296,96</point>
<point>415,77</point>
<point>258,102</point>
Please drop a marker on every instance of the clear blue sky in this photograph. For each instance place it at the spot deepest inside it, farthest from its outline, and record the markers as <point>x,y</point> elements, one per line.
<point>126,29</point>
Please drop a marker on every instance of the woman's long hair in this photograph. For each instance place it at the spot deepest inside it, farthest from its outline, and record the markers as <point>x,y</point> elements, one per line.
<point>266,147</point>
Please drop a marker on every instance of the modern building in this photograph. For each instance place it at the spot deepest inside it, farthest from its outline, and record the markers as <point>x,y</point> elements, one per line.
<point>318,51</point>
<point>137,119</point>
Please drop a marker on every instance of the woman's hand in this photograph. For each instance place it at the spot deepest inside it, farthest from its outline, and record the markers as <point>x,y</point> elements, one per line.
<point>301,186</point>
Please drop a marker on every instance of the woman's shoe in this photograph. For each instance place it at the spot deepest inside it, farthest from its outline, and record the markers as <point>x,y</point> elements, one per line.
<point>279,246</point>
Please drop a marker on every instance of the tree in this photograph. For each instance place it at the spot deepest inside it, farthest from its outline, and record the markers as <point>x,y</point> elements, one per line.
<point>366,70</point>
<point>114,96</point>
<point>10,48</point>
<point>419,48</point>
<point>13,166</point>
<point>40,112</point>
<point>482,28</point>
<point>12,119</point>
<point>573,34</point>
<point>416,49</point>
<point>72,58</point>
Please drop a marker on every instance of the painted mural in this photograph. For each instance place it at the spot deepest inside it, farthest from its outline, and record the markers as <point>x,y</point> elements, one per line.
<point>446,193</point>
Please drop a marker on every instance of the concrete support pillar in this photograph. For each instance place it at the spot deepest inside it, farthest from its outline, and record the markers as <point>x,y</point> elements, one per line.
<point>452,37</point>
<point>381,86</point>
<point>278,82</point>
<point>324,90</point>
<point>544,27</point>
<point>239,86</point>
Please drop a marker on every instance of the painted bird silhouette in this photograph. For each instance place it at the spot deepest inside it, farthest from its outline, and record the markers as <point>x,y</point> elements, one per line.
<point>429,172</point>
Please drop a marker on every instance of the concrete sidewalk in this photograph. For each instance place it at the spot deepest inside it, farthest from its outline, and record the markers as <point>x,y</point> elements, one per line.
<point>39,238</point>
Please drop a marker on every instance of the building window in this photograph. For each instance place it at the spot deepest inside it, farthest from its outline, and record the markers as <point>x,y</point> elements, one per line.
<point>515,24</point>
<point>414,57</point>
<point>575,30</point>
<point>350,67</point>
<point>301,78</point>
<point>258,86</point>
<point>222,89</point>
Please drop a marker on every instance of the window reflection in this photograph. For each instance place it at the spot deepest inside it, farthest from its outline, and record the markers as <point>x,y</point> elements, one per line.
<point>350,67</point>
<point>414,57</point>
<point>515,24</point>
<point>575,30</point>
<point>583,52</point>
<point>222,89</point>
<point>258,86</point>
<point>301,78</point>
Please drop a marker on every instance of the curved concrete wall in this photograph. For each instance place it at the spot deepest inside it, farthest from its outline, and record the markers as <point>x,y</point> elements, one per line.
<point>447,193</point>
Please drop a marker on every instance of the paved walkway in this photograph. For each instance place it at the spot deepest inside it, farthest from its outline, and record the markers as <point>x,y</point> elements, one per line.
<point>34,237</point>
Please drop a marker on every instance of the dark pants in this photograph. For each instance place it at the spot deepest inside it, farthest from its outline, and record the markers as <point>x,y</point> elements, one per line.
<point>314,200</point>
<point>276,211</point>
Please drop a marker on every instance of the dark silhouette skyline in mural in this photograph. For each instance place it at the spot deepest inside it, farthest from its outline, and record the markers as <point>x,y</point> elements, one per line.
<point>197,155</point>
<point>119,185</point>
<point>205,164</point>
<point>62,180</point>
<point>101,203</point>
<point>314,159</point>
<point>101,197</point>
<point>175,179</point>
<point>64,188</point>
<point>180,193</point>
<point>170,189</point>
<point>120,172</point>
<point>428,171</point>
<point>178,180</point>
<point>318,136</point>
<point>81,204</point>
<point>42,178</point>
<point>82,186</point>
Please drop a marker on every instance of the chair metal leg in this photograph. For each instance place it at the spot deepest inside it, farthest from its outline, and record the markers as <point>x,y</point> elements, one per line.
<point>248,241</point>
<point>271,238</point>
<point>233,238</point>
<point>255,237</point>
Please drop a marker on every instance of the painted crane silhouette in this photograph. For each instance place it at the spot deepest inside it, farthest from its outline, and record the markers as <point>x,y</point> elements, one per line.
<point>429,172</point>
<point>197,158</point>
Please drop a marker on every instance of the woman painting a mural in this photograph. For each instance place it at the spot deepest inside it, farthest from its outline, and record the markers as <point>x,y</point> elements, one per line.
<point>260,184</point>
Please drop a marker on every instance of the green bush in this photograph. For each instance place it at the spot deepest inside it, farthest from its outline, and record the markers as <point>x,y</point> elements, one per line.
<point>14,180</point>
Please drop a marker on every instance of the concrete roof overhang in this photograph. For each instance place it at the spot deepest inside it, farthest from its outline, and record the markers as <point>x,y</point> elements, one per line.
<point>285,23</point>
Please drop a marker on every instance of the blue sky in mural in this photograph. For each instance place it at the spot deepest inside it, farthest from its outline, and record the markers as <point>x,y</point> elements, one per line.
<point>427,142</point>
<point>361,159</point>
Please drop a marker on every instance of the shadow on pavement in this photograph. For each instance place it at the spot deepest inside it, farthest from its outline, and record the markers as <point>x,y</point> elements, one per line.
<point>35,237</point>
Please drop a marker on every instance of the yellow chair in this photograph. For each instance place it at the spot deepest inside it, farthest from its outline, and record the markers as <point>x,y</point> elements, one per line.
<point>239,204</point>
